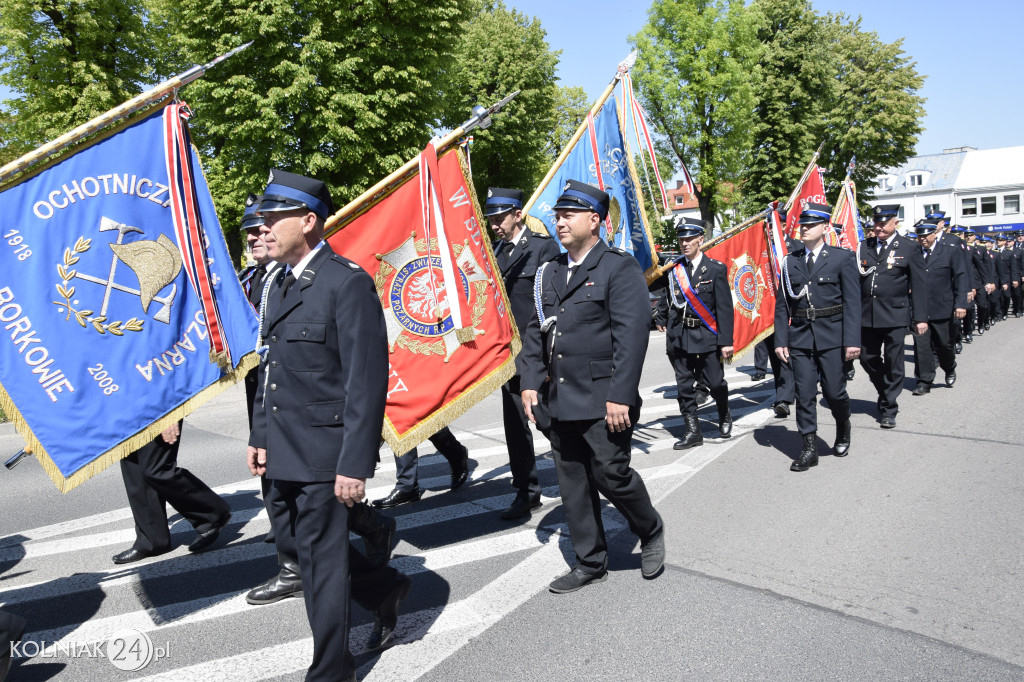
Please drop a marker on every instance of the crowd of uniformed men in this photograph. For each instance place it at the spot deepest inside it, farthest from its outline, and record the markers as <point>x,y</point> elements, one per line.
<point>316,400</point>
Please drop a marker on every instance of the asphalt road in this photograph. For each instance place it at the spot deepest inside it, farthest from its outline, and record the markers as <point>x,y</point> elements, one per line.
<point>901,561</point>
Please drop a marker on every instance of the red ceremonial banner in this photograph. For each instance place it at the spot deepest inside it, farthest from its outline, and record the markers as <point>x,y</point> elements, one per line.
<point>844,215</point>
<point>446,354</point>
<point>752,281</point>
<point>812,191</point>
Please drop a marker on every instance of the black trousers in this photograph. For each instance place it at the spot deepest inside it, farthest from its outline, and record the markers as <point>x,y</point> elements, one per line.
<point>935,343</point>
<point>522,459</point>
<point>152,478</point>
<point>1004,300</point>
<point>981,302</point>
<point>994,304</point>
<point>1017,295</point>
<point>407,466</point>
<point>591,460</point>
<point>707,367</point>
<point>782,373</point>
<point>808,365</point>
<point>761,357</point>
<point>882,357</point>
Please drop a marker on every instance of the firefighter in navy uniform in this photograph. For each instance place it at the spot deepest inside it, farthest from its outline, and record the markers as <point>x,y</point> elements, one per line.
<point>892,293</point>
<point>817,329</point>
<point>595,327</point>
<point>1006,271</point>
<point>519,252</point>
<point>976,276</point>
<point>947,285</point>
<point>696,313</point>
<point>317,423</point>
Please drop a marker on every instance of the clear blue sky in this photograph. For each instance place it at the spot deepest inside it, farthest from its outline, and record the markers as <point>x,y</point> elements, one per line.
<point>972,54</point>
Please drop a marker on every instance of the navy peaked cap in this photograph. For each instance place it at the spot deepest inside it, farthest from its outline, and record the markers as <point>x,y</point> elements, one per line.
<point>500,200</point>
<point>815,213</point>
<point>689,227</point>
<point>924,227</point>
<point>583,197</point>
<point>288,191</point>
<point>886,211</point>
<point>249,218</point>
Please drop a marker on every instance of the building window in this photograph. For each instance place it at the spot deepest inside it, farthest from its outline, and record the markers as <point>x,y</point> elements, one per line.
<point>988,206</point>
<point>885,183</point>
<point>968,207</point>
<point>900,214</point>
<point>679,200</point>
<point>916,179</point>
<point>1011,203</point>
<point>931,208</point>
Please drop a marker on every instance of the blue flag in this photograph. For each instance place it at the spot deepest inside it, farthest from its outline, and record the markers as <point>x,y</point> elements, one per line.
<point>103,336</point>
<point>626,227</point>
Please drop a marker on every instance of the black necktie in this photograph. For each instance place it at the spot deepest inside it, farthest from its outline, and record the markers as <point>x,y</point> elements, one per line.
<point>926,254</point>
<point>572,271</point>
<point>810,260</point>
<point>689,270</point>
<point>256,284</point>
<point>289,280</point>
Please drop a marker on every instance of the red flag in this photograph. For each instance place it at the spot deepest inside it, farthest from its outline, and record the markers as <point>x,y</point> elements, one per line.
<point>845,214</point>
<point>812,191</point>
<point>437,370</point>
<point>752,281</point>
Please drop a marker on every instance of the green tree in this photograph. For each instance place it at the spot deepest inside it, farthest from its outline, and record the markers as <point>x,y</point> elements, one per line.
<point>876,111</point>
<point>502,51</point>
<point>67,61</point>
<point>694,78</point>
<point>793,86</point>
<point>346,92</point>
<point>570,110</point>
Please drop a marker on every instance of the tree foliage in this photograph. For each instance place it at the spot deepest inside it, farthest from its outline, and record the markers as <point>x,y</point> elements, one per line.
<point>346,92</point>
<point>694,78</point>
<point>67,61</point>
<point>502,51</point>
<point>571,106</point>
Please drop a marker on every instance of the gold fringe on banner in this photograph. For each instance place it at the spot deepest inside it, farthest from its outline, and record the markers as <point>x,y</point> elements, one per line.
<point>129,445</point>
<point>402,443</point>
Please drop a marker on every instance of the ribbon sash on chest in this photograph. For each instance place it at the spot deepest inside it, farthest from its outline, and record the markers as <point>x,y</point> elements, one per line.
<point>697,305</point>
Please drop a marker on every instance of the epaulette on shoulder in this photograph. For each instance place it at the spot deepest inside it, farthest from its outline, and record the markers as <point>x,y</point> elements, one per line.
<point>346,262</point>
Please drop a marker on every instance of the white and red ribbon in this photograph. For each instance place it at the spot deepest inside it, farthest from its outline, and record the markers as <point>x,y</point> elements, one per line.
<point>185,215</point>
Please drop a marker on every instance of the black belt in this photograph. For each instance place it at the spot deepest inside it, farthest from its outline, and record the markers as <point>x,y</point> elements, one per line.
<point>813,313</point>
<point>691,322</point>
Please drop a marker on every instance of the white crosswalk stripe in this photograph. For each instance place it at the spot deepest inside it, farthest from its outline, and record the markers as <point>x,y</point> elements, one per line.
<point>514,562</point>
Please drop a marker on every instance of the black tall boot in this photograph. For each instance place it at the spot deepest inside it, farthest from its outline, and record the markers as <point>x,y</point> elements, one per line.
<point>455,452</point>
<point>842,444</point>
<point>377,531</point>
<point>287,583</point>
<point>693,437</point>
<point>808,454</point>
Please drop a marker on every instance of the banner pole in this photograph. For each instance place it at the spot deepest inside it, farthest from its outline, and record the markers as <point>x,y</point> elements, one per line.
<point>719,239</point>
<point>803,178</point>
<point>123,110</point>
<point>624,66</point>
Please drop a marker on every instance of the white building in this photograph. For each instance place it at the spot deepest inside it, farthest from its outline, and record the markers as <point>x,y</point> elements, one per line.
<point>980,189</point>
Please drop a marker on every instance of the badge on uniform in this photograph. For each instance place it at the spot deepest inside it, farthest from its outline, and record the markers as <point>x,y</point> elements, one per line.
<point>890,260</point>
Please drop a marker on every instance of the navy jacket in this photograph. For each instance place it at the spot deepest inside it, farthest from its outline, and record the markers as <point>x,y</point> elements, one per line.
<point>328,374</point>
<point>518,263</point>
<point>833,281</point>
<point>711,280</point>
<point>600,337</point>
<point>894,285</point>
<point>947,282</point>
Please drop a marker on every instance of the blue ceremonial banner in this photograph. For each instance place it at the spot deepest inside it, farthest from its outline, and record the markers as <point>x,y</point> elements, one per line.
<point>104,341</point>
<point>628,224</point>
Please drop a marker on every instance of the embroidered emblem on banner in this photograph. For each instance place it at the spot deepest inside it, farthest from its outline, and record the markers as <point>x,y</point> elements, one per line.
<point>155,263</point>
<point>416,304</point>
<point>747,283</point>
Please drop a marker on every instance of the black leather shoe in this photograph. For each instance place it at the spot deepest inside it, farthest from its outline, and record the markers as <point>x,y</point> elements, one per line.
<point>841,448</point>
<point>888,422</point>
<point>968,338</point>
<point>575,579</point>
<point>693,436</point>
<point>397,497</point>
<point>725,424</point>
<point>922,389</point>
<point>377,531</point>
<point>208,537</point>
<point>851,374</point>
<point>652,556</point>
<point>523,505</point>
<point>958,347</point>
<point>781,409</point>
<point>460,470</point>
<point>950,378</point>
<point>757,376</point>
<point>385,618</point>
<point>808,454</point>
<point>131,555</point>
<point>287,583</point>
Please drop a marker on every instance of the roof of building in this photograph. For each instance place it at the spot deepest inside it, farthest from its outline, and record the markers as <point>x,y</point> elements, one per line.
<point>941,173</point>
<point>992,168</point>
